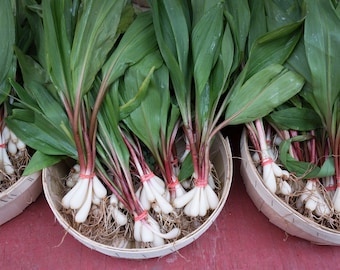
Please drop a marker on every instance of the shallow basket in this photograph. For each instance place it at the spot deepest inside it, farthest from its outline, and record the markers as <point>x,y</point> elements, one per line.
<point>221,157</point>
<point>277,211</point>
<point>17,197</point>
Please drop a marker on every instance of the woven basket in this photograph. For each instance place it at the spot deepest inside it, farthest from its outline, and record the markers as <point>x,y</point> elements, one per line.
<point>17,197</point>
<point>220,156</point>
<point>277,211</point>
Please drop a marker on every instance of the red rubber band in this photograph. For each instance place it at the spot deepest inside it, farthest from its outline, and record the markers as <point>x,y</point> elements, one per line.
<point>83,176</point>
<point>330,188</point>
<point>3,145</point>
<point>266,161</point>
<point>173,184</point>
<point>146,177</point>
<point>187,146</point>
<point>201,183</point>
<point>141,216</point>
<point>174,161</point>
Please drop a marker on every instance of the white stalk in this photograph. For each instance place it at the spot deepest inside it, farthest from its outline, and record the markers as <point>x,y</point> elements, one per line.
<point>84,209</point>
<point>12,148</point>
<point>313,199</point>
<point>5,161</point>
<point>197,201</point>
<point>153,192</point>
<point>212,198</point>
<point>6,134</point>
<point>147,230</point>
<point>98,188</point>
<point>119,217</point>
<point>8,167</point>
<point>13,137</point>
<point>336,200</point>
<point>21,145</point>
<point>181,201</point>
<point>268,176</point>
<point>87,191</point>
<point>78,199</point>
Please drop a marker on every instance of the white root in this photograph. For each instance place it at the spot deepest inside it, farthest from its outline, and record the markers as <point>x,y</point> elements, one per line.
<point>84,209</point>
<point>153,193</point>
<point>87,191</point>
<point>336,200</point>
<point>197,201</point>
<point>117,214</point>
<point>147,230</point>
<point>269,178</point>
<point>313,200</point>
<point>5,162</point>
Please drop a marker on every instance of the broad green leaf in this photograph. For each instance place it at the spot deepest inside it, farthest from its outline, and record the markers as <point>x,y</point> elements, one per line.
<point>283,12</point>
<point>294,118</point>
<point>297,62</point>
<point>7,59</point>
<point>273,47</point>
<point>38,133</point>
<point>95,35</point>
<point>258,23</point>
<point>146,120</point>
<point>110,141</point>
<point>57,43</point>
<point>41,161</point>
<point>206,41</point>
<point>261,93</point>
<point>304,169</point>
<point>137,41</point>
<point>134,102</point>
<point>30,69</point>
<point>322,42</point>
<point>172,28</point>
<point>187,168</point>
<point>238,16</point>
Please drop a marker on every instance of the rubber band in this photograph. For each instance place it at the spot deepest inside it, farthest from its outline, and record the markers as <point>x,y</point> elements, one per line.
<point>173,184</point>
<point>141,216</point>
<point>187,146</point>
<point>330,188</point>
<point>146,177</point>
<point>201,182</point>
<point>3,145</point>
<point>174,161</point>
<point>84,176</point>
<point>266,161</point>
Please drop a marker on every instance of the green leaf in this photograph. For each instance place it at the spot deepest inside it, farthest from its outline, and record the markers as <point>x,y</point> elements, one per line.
<point>187,168</point>
<point>38,133</point>
<point>206,39</point>
<point>283,12</point>
<point>294,118</point>
<point>147,120</point>
<point>237,14</point>
<point>138,41</point>
<point>307,170</point>
<point>273,47</point>
<point>41,161</point>
<point>57,43</point>
<point>95,35</point>
<point>261,93</point>
<point>172,28</point>
<point>7,59</point>
<point>322,42</point>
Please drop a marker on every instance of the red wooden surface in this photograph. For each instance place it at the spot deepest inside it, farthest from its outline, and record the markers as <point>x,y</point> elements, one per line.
<point>240,238</point>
